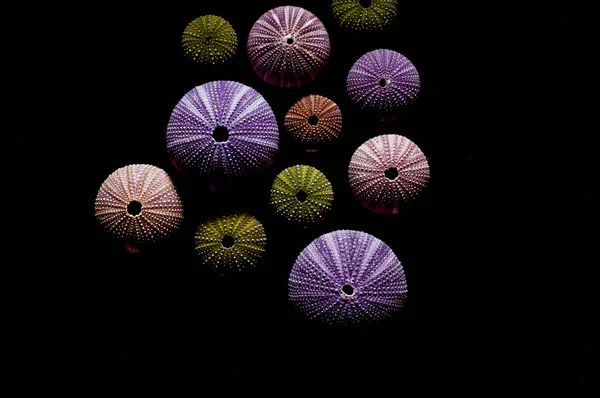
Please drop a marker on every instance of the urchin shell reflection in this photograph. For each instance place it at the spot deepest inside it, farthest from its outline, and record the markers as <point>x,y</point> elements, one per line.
<point>374,16</point>
<point>347,277</point>
<point>209,39</point>
<point>288,46</point>
<point>383,80</point>
<point>222,128</point>
<point>314,121</point>
<point>387,171</point>
<point>139,203</point>
<point>231,242</point>
<point>302,194</point>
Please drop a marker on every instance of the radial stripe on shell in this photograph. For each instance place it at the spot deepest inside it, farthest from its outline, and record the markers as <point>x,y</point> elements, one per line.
<point>374,16</point>
<point>288,46</point>
<point>302,194</point>
<point>139,203</point>
<point>383,80</point>
<point>313,121</point>
<point>222,128</point>
<point>347,277</point>
<point>386,171</point>
<point>209,39</point>
<point>231,242</point>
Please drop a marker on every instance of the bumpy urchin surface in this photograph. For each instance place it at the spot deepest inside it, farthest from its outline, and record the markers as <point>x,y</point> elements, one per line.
<point>313,121</point>
<point>383,80</point>
<point>347,277</point>
<point>288,46</point>
<point>302,194</point>
<point>139,203</point>
<point>231,242</point>
<point>209,39</point>
<point>386,171</point>
<point>365,17</point>
<point>222,128</point>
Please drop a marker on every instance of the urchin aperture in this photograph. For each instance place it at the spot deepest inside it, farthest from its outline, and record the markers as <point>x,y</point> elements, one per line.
<point>347,277</point>
<point>365,15</point>
<point>234,241</point>
<point>139,204</point>
<point>387,171</point>
<point>383,80</point>
<point>314,121</point>
<point>222,128</point>
<point>288,46</point>
<point>302,194</point>
<point>209,39</point>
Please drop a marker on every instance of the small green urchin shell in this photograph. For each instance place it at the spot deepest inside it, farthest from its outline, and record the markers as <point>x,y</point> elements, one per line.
<point>295,182</point>
<point>209,40</point>
<point>230,242</point>
<point>351,14</point>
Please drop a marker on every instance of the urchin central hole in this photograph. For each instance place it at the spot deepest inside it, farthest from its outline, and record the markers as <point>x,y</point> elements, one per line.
<point>207,40</point>
<point>301,196</point>
<point>290,40</point>
<point>391,173</point>
<point>365,3</point>
<point>228,241</point>
<point>348,289</point>
<point>313,120</point>
<point>221,134</point>
<point>134,208</point>
<point>382,82</point>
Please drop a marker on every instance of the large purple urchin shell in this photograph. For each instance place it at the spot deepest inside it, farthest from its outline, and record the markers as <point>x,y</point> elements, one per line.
<point>386,171</point>
<point>347,277</point>
<point>139,204</point>
<point>288,46</point>
<point>383,80</point>
<point>222,128</point>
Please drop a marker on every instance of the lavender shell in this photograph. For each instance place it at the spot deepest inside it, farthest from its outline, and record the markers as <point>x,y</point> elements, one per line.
<point>383,80</point>
<point>288,46</point>
<point>251,136</point>
<point>347,277</point>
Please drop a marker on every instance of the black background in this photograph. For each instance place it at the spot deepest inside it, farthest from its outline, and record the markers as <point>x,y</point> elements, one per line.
<point>160,310</point>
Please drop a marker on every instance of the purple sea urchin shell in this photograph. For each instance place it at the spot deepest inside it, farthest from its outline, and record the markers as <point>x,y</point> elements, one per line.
<point>383,80</point>
<point>222,127</point>
<point>347,277</point>
<point>139,204</point>
<point>386,171</point>
<point>288,46</point>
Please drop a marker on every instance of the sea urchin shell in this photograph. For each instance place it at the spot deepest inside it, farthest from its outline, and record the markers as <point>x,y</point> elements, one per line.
<point>222,127</point>
<point>383,80</point>
<point>288,46</point>
<point>209,40</point>
<point>231,242</point>
<point>313,121</point>
<point>302,194</point>
<point>365,15</point>
<point>347,277</point>
<point>139,204</point>
<point>386,171</point>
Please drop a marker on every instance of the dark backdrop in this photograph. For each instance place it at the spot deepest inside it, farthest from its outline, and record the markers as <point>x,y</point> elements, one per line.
<point>163,307</point>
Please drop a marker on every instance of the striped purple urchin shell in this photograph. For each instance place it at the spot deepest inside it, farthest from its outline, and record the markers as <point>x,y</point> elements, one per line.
<point>386,171</point>
<point>347,277</point>
<point>288,46</point>
<point>383,80</point>
<point>139,204</point>
<point>222,127</point>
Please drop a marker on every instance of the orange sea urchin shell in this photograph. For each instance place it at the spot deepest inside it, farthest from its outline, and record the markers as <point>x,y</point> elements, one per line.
<point>313,121</point>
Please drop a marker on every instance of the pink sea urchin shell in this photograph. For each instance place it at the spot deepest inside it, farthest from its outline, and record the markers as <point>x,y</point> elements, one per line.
<point>386,171</point>
<point>288,46</point>
<point>139,204</point>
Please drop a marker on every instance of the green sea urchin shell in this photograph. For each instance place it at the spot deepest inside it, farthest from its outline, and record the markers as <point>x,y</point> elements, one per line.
<point>209,40</point>
<point>302,194</point>
<point>351,14</point>
<point>231,242</point>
